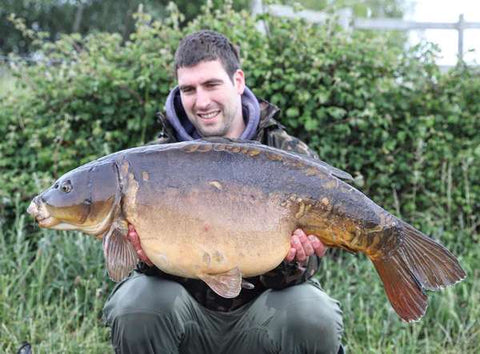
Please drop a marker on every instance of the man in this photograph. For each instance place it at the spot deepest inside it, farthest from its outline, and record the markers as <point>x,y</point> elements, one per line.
<point>284,311</point>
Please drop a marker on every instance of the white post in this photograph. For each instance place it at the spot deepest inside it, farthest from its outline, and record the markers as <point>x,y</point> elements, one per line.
<point>345,18</point>
<point>461,28</point>
<point>257,9</point>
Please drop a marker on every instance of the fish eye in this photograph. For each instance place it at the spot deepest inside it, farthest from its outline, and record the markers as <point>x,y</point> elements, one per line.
<point>55,186</point>
<point>66,187</point>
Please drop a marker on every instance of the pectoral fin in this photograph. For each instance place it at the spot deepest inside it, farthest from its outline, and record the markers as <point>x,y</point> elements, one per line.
<point>120,255</point>
<point>227,284</point>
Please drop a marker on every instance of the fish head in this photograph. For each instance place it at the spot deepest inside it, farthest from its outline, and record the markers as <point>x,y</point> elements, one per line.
<point>84,199</point>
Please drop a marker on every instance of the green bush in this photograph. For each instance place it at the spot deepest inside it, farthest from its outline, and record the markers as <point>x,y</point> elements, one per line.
<point>404,129</point>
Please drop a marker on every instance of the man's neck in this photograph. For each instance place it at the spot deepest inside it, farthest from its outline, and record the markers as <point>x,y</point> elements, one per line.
<point>236,130</point>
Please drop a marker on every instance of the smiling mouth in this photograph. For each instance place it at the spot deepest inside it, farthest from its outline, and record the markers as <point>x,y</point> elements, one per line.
<point>209,115</point>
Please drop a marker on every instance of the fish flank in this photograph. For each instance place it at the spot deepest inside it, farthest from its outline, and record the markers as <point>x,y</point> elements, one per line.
<point>145,176</point>
<point>205,148</point>
<point>216,184</point>
<point>219,147</point>
<point>190,148</point>
<point>301,211</point>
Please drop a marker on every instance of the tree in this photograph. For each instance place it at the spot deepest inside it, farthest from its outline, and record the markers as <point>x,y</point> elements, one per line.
<point>58,17</point>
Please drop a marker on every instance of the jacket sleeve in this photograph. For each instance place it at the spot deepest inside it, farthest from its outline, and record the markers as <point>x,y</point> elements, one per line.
<point>289,273</point>
<point>280,139</point>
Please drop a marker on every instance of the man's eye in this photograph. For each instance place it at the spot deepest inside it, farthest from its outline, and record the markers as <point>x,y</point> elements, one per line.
<point>187,90</point>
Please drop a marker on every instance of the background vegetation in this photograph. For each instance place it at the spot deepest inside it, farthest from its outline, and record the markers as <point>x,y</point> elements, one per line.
<point>392,119</point>
<point>57,17</point>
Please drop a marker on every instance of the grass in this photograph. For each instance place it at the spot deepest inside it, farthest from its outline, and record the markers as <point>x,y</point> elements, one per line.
<point>53,286</point>
<point>451,324</point>
<point>52,290</point>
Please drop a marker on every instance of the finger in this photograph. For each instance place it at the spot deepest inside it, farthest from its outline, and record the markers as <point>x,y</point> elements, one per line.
<point>307,246</point>
<point>318,246</point>
<point>291,254</point>
<point>300,256</point>
<point>300,233</point>
<point>135,241</point>
<point>132,233</point>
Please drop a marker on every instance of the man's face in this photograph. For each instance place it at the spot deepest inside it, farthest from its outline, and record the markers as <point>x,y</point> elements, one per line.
<point>211,100</point>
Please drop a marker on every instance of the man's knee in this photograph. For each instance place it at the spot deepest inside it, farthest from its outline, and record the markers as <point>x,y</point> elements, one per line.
<point>146,333</point>
<point>315,326</point>
<point>144,294</point>
<point>311,320</point>
<point>147,314</point>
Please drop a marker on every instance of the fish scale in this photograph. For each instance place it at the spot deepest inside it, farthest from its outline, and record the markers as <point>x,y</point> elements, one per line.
<point>221,210</point>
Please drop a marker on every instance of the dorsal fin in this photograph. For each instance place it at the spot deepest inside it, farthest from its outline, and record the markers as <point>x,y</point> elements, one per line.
<point>335,171</point>
<point>332,170</point>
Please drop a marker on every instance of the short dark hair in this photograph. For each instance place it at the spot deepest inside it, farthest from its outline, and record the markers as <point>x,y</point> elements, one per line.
<point>206,45</point>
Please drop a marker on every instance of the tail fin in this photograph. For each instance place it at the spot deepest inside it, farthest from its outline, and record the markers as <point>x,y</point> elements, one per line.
<point>419,263</point>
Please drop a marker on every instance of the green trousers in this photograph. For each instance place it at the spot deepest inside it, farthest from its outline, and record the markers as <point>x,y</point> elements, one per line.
<point>148,314</point>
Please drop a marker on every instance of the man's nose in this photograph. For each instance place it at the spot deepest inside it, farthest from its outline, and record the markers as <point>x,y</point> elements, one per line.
<point>202,100</point>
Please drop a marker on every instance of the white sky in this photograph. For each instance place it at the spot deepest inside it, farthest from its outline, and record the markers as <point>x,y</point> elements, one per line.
<point>447,11</point>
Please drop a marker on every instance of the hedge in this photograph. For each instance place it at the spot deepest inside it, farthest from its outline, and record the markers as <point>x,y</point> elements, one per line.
<point>406,131</point>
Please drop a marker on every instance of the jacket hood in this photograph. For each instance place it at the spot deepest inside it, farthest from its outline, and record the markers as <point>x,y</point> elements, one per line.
<point>185,130</point>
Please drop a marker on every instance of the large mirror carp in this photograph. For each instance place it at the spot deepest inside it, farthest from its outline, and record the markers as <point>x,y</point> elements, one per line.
<point>221,210</point>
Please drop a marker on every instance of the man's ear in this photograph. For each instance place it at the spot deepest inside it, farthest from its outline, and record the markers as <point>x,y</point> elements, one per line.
<point>239,81</point>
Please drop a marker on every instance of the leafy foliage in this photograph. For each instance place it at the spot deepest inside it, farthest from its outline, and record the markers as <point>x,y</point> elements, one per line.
<point>407,131</point>
<point>57,17</point>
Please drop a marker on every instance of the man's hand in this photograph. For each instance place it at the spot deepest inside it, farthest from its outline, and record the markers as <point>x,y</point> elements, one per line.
<point>303,246</point>
<point>132,236</point>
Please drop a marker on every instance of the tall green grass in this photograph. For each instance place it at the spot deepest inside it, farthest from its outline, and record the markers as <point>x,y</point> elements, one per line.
<point>52,289</point>
<point>53,286</point>
<point>451,324</point>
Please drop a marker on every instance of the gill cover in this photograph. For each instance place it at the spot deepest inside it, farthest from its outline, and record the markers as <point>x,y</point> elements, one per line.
<point>85,198</point>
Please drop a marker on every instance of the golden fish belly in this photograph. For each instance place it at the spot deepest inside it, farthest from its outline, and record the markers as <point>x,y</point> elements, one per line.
<point>212,229</point>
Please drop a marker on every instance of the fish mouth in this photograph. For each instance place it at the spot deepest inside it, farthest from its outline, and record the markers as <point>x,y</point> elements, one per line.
<point>33,209</point>
<point>41,215</point>
<point>47,221</point>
